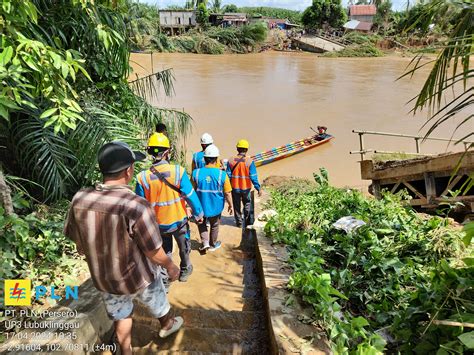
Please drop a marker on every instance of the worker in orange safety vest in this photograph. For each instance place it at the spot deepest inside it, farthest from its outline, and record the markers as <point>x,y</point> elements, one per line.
<point>167,187</point>
<point>243,174</point>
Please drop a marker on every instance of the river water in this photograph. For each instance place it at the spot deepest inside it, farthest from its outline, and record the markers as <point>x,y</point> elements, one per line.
<point>273,98</point>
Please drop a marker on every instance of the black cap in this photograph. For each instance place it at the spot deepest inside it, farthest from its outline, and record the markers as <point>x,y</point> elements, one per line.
<point>117,156</point>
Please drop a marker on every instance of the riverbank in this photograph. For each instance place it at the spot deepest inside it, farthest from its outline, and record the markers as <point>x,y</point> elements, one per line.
<point>215,40</point>
<point>256,38</point>
<point>387,283</point>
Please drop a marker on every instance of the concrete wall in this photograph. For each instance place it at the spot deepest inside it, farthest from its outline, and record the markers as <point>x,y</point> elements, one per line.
<point>177,18</point>
<point>363,18</point>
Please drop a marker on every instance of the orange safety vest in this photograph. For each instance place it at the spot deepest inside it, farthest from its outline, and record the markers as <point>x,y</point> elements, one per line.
<point>240,172</point>
<point>169,205</point>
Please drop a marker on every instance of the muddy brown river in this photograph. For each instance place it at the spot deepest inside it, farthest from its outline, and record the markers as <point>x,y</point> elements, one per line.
<point>273,98</point>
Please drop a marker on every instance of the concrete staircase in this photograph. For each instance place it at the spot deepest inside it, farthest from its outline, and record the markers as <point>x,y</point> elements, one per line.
<point>213,330</point>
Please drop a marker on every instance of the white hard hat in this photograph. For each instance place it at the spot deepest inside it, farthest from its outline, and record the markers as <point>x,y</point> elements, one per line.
<point>206,138</point>
<point>211,152</point>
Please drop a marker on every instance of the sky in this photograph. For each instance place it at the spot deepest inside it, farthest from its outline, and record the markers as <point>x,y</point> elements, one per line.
<point>287,4</point>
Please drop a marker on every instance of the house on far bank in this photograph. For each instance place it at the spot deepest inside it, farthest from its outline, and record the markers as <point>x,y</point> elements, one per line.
<point>362,13</point>
<point>228,19</point>
<point>174,22</point>
<point>354,25</point>
<point>361,18</point>
<point>282,24</point>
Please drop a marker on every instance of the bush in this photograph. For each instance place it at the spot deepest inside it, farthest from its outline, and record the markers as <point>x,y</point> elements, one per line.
<point>162,43</point>
<point>361,38</point>
<point>356,50</point>
<point>398,272</point>
<point>206,45</point>
<point>33,246</point>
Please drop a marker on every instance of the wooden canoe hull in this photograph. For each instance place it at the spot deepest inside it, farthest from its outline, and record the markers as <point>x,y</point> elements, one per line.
<point>288,150</point>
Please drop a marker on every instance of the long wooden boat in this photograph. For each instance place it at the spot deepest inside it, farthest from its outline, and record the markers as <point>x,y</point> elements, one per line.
<point>290,149</point>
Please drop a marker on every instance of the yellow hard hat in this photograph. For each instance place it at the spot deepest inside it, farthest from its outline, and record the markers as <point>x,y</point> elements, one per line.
<point>243,143</point>
<point>159,140</point>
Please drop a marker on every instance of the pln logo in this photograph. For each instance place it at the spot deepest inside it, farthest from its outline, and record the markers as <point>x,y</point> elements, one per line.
<point>18,292</point>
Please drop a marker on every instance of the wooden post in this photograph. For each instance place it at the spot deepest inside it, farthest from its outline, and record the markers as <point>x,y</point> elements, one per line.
<point>151,58</point>
<point>376,186</point>
<point>5,194</point>
<point>430,186</point>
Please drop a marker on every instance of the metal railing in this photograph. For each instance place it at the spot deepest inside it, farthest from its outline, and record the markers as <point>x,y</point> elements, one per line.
<point>362,150</point>
<point>333,36</point>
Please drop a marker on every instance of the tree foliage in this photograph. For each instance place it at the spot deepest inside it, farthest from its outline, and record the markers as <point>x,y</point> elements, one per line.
<point>446,91</point>
<point>384,11</point>
<point>202,15</point>
<point>291,15</point>
<point>64,68</point>
<point>143,21</point>
<point>323,12</point>
<point>230,8</point>
<point>216,6</point>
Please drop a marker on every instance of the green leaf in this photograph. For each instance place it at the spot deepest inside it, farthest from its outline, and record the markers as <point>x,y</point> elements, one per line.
<point>467,339</point>
<point>29,61</point>
<point>6,56</point>
<point>48,112</point>
<point>64,70</point>
<point>469,261</point>
<point>4,112</point>
<point>359,322</point>
<point>56,60</point>
<point>469,230</point>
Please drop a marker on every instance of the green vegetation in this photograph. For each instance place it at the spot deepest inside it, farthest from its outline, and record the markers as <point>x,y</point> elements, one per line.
<point>32,246</point>
<point>381,157</point>
<point>446,92</point>
<point>64,71</point>
<point>64,68</point>
<point>202,16</point>
<point>216,40</point>
<point>363,45</point>
<point>384,286</point>
<point>356,50</point>
<point>230,8</point>
<point>143,22</point>
<point>291,15</point>
<point>322,12</point>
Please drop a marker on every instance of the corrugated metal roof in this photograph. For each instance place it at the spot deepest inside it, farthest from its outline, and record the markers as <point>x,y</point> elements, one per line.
<point>364,26</point>
<point>235,14</point>
<point>363,10</point>
<point>351,25</point>
<point>358,25</point>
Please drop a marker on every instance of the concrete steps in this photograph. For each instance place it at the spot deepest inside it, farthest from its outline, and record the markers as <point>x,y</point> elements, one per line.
<point>205,331</point>
<point>204,340</point>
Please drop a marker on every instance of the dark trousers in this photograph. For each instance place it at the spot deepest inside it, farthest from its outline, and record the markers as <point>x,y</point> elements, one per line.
<point>184,244</point>
<point>213,233</point>
<point>239,198</point>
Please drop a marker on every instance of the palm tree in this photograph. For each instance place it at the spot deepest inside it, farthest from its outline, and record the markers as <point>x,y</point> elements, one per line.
<point>446,92</point>
<point>58,155</point>
<point>451,68</point>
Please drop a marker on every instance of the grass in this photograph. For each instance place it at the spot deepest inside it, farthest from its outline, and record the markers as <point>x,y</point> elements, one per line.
<point>382,157</point>
<point>356,50</point>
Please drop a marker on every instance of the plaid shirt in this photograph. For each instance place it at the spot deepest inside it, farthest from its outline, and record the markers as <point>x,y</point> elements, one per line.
<point>113,227</point>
